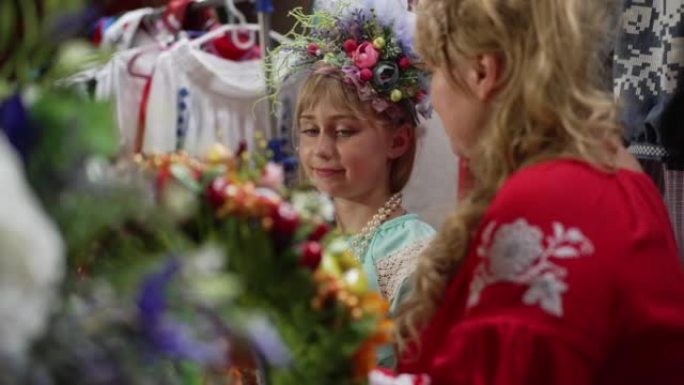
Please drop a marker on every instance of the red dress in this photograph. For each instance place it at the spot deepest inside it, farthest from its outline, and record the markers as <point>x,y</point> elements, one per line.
<point>573,279</point>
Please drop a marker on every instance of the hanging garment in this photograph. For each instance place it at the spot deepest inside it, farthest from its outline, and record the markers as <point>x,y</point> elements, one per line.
<point>127,32</point>
<point>648,73</point>
<point>648,78</point>
<point>197,99</point>
<point>123,80</point>
<point>178,16</point>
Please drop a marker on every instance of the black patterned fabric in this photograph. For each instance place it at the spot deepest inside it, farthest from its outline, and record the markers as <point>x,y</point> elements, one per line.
<point>648,76</point>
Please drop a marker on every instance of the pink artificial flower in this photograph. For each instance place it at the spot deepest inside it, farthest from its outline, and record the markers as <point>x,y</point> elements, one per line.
<point>272,176</point>
<point>366,56</point>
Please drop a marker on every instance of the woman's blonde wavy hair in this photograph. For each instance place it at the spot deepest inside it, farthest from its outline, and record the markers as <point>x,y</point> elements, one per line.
<point>549,104</point>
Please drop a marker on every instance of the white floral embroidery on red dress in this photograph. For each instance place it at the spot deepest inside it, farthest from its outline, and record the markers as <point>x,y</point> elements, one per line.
<point>518,253</point>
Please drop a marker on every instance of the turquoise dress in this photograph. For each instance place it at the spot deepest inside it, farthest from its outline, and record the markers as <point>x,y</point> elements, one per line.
<point>389,261</point>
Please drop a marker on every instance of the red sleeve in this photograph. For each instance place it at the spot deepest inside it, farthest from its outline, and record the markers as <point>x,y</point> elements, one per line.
<point>508,351</point>
<point>563,287</point>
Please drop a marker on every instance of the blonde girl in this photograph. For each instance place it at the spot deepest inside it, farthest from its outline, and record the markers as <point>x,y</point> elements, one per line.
<point>356,118</point>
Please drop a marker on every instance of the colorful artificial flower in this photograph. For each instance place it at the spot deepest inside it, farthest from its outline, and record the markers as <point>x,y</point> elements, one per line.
<point>367,43</point>
<point>366,56</point>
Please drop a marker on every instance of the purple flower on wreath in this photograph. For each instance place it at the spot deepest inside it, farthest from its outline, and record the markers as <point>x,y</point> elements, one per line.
<point>380,105</point>
<point>164,335</point>
<point>352,75</point>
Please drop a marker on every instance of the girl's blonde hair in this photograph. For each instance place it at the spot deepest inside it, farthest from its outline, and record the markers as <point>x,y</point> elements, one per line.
<point>327,86</point>
<point>548,105</point>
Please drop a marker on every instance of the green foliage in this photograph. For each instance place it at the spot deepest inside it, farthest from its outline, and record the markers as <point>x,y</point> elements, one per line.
<point>28,32</point>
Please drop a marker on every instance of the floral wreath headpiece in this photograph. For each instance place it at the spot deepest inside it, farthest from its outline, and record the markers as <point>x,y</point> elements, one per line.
<point>369,45</point>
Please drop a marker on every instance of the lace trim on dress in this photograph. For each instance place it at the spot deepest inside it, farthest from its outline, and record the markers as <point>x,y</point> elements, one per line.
<point>395,268</point>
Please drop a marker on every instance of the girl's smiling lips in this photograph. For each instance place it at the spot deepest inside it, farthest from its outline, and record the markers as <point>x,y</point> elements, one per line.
<point>325,172</point>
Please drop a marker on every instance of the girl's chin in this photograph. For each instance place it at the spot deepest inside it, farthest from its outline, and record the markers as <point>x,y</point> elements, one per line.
<point>335,190</point>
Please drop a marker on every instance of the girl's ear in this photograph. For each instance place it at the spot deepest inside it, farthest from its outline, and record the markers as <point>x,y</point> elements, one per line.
<point>400,141</point>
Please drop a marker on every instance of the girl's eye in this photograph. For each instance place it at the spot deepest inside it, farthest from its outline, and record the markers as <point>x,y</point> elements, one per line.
<point>310,131</point>
<point>345,133</point>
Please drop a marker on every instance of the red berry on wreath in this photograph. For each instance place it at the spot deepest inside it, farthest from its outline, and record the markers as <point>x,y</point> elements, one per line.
<point>285,220</point>
<point>216,191</point>
<point>319,232</point>
<point>349,46</point>
<point>312,49</point>
<point>366,74</point>
<point>404,63</point>
<point>311,254</point>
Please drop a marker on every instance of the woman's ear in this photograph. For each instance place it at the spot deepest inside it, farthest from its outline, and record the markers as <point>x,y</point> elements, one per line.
<point>482,76</point>
<point>400,140</point>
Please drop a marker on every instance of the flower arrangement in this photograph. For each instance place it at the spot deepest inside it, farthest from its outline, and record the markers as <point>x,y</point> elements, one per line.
<point>368,44</point>
<point>172,269</point>
<point>319,292</point>
<point>279,297</point>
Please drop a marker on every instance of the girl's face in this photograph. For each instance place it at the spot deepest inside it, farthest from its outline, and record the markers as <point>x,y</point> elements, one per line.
<point>343,155</point>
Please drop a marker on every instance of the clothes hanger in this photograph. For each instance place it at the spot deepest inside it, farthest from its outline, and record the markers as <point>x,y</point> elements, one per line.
<point>242,21</point>
<point>253,28</point>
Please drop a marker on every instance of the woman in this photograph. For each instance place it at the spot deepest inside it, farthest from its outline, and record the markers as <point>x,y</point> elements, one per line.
<point>560,266</point>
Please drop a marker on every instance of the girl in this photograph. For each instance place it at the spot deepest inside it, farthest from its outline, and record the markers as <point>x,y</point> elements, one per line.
<point>560,266</point>
<point>356,119</point>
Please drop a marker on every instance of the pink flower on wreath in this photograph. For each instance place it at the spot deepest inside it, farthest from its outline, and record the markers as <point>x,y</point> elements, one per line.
<point>366,56</point>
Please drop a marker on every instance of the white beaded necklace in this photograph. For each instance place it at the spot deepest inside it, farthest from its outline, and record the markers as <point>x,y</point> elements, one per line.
<point>359,241</point>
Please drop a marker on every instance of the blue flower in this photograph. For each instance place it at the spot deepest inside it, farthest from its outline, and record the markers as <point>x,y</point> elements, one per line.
<point>276,147</point>
<point>15,124</point>
<point>165,335</point>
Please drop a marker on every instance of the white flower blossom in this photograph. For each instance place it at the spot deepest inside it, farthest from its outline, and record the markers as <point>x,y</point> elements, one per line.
<point>31,259</point>
<point>312,204</point>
